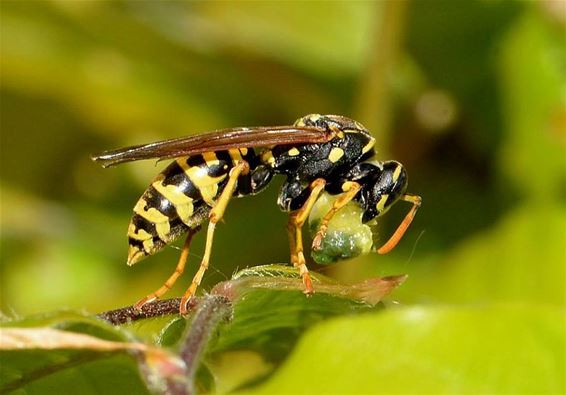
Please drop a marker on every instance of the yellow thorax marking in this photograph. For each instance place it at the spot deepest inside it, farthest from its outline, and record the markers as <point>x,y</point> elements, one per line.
<point>314,117</point>
<point>267,157</point>
<point>359,125</point>
<point>369,145</point>
<point>294,152</point>
<point>335,154</point>
<point>160,220</point>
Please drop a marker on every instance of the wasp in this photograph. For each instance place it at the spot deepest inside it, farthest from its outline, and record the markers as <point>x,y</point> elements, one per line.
<point>317,153</point>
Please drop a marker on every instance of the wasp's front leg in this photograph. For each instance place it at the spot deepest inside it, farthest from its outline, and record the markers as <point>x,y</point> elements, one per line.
<point>294,227</point>
<point>350,189</point>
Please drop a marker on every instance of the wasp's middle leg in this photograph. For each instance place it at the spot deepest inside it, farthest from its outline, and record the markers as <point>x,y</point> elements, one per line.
<point>294,228</point>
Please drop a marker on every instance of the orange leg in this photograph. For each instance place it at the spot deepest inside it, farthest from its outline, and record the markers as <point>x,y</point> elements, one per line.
<point>393,240</point>
<point>173,278</point>
<point>294,228</point>
<point>215,215</point>
<point>350,189</point>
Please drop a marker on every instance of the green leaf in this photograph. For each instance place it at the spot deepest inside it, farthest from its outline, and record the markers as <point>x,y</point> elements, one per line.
<point>435,350</point>
<point>270,312</point>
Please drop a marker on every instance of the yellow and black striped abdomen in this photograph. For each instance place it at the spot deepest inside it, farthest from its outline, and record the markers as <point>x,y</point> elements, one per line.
<point>178,199</point>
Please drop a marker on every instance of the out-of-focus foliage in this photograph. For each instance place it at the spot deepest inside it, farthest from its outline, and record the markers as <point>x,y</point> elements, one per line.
<point>468,95</point>
<point>446,351</point>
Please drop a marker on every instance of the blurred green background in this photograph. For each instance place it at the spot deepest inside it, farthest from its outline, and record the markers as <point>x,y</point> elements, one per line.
<point>469,95</point>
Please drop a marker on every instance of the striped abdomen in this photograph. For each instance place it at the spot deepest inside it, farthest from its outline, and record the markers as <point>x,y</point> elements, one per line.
<point>178,199</point>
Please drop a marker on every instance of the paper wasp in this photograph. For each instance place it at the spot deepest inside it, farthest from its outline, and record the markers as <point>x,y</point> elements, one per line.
<point>318,153</point>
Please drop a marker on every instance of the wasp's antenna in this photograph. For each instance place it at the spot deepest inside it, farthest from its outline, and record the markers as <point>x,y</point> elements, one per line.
<point>393,240</point>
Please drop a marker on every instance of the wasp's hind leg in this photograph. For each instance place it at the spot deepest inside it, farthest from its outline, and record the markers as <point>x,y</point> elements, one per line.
<point>215,215</point>
<point>173,278</point>
<point>394,239</point>
<point>294,228</point>
<point>350,189</point>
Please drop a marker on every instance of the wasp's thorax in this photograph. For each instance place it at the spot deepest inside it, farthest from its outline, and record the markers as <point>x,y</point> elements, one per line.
<point>351,144</point>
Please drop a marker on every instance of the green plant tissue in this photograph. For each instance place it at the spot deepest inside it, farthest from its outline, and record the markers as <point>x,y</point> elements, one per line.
<point>346,237</point>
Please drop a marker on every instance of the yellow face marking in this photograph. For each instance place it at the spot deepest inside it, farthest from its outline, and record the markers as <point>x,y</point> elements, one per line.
<point>267,157</point>
<point>396,173</point>
<point>161,221</point>
<point>244,151</point>
<point>183,204</point>
<point>335,154</point>
<point>210,158</point>
<point>381,204</point>
<point>340,135</point>
<point>293,152</point>
<point>207,185</point>
<point>368,146</point>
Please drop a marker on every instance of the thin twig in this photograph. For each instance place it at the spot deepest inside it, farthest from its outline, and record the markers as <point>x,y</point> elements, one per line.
<point>154,309</point>
<point>209,312</point>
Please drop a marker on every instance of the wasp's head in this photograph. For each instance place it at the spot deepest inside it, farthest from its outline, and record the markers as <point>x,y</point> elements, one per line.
<point>383,188</point>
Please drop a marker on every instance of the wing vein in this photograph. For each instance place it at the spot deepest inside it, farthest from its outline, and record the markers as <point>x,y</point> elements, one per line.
<point>215,141</point>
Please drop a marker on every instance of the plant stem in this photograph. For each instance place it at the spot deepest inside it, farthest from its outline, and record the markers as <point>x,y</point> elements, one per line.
<point>212,311</point>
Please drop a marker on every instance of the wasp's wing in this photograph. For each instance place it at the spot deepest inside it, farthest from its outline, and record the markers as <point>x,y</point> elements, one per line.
<point>215,141</point>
